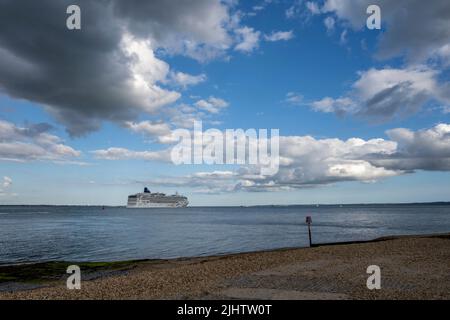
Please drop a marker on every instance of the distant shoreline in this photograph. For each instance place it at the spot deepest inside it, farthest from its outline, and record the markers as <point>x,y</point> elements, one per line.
<point>220,276</point>
<point>435,203</point>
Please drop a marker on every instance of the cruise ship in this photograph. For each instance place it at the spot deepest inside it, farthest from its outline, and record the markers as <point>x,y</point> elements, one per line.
<point>149,199</point>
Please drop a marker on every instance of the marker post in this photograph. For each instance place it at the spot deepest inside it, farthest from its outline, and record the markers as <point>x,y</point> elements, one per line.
<point>308,222</point>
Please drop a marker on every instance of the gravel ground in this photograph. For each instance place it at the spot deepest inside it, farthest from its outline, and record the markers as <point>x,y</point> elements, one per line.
<point>411,268</point>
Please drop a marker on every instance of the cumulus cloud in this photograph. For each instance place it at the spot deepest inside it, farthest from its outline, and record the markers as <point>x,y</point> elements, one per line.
<point>279,36</point>
<point>343,37</point>
<point>443,54</point>
<point>158,130</point>
<point>126,154</point>
<point>7,182</point>
<point>424,149</point>
<point>179,116</point>
<point>294,98</point>
<point>445,109</point>
<point>148,127</point>
<point>206,182</point>
<point>248,39</point>
<point>307,162</point>
<point>196,28</point>
<point>212,104</point>
<point>388,92</point>
<point>339,105</point>
<point>184,115</point>
<point>33,143</point>
<point>329,23</point>
<point>313,7</point>
<point>185,80</point>
<point>146,70</point>
<point>109,71</point>
<point>418,28</point>
<point>257,8</point>
<point>303,10</point>
<point>84,77</point>
<point>5,186</point>
<point>294,10</point>
<point>382,94</point>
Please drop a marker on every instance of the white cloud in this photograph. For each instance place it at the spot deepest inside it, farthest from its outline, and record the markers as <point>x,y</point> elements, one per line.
<point>7,182</point>
<point>419,29</point>
<point>248,39</point>
<point>359,170</point>
<point>307,162</point>
<point>185,119</point>
<point>126,154</point>
<point>290,12</point>
<point>329,23</point>
<point>420,150</point>
<point>115,75</point>
<point>148,127</point>
<point>212,182</point>
<point>313,7</point>
<point>33,143</point>
<point>382,94</point>
<point>444,55</point>
<point>294,10</point>
<point>294,98</point>
<point>446,109</point>
<point>303,10</point>
<point>215,174</point>
<point>195,28</point>
<point>185,80</point>
<point>147,70</point>
<point>310,161</point>
<point>339,105</point>
<point>343,37</point>
<point>159,130</point>
<point>212,104</point>
<point>205,110</point>
<point>279,35</point>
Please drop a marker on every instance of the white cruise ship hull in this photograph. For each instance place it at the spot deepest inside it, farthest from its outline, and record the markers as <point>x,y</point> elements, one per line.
<point>147,199</point>
<point>157,205</point>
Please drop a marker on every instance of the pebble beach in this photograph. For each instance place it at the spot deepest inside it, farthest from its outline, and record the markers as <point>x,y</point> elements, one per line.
<point>412,267</point>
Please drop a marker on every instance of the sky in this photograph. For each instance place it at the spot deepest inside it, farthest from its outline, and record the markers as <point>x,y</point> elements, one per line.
<point>87,116</point>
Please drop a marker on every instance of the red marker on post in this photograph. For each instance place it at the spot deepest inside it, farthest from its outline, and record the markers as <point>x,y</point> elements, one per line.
<point>308,222</point>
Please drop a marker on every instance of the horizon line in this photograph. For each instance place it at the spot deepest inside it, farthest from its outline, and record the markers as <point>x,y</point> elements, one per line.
<point>237,206</point>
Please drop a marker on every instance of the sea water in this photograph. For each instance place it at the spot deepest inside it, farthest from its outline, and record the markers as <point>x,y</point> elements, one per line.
<point>74,233</point>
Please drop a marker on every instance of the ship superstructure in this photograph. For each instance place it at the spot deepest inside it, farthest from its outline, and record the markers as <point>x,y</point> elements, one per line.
<point>149,199</point>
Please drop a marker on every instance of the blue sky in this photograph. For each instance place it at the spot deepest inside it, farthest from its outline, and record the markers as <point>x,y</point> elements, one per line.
<point>82,134</point>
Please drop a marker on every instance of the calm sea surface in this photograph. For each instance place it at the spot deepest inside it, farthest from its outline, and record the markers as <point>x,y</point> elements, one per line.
<point>42,233</point>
